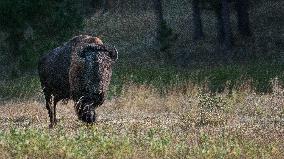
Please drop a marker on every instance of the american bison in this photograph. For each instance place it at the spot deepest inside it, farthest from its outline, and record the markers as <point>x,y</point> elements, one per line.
<point>79,70</point>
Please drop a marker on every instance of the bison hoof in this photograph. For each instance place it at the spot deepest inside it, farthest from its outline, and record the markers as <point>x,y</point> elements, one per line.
<point>51,126</point>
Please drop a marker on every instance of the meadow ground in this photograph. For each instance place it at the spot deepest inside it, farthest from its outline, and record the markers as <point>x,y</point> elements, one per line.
<point>183,122</point>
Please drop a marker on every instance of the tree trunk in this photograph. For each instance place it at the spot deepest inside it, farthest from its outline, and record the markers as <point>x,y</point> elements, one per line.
<point>96,5</point>
<point>159,11</point>
<point>14,40</point>
<point>197,25</point>
<point>108,4</point>
<point>219,26</point>
<point>243,17</point>
<point>225,14</point>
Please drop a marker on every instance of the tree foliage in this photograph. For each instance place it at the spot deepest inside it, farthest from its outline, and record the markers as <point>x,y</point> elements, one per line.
<point>33,26</point>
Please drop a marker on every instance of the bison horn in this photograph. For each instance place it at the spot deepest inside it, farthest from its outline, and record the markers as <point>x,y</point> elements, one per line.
<point>80,99</point>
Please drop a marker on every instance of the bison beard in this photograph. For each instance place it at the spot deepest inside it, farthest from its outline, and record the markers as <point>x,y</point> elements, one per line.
<point>79,70</point>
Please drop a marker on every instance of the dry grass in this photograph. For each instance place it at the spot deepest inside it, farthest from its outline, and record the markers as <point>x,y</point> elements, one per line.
<point>186,122</point>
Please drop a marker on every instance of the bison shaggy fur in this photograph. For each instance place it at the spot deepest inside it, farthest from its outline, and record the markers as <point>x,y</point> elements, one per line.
<point>79,70</point>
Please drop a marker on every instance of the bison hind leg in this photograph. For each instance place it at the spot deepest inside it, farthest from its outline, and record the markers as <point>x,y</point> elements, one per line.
<point>48,102</point>
<point>51,107</point>
<point>56,99</point>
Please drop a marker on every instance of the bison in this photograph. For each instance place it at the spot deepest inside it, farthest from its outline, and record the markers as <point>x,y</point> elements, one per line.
<point>79,70</point>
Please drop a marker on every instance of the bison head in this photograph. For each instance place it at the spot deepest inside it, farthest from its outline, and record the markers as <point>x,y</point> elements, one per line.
<point>90,75</point>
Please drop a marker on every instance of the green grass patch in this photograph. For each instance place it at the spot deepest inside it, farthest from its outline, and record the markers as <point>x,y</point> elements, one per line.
<point>103,142</point>
<point>83,143</point>
<point>23,87</point>
<point>231,146</point>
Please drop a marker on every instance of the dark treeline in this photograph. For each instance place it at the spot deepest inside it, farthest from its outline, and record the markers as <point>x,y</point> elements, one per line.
<point>34,26</point>
<point>31,27</point>
<point>222,9</point>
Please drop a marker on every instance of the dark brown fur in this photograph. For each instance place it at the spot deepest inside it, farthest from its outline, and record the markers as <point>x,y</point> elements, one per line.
<point>79,70</point>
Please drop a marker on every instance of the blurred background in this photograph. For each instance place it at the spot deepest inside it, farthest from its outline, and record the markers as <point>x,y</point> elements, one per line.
<point>158,41</point>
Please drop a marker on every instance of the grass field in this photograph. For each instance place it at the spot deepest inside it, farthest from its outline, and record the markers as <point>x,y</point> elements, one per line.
<point>142,120</point>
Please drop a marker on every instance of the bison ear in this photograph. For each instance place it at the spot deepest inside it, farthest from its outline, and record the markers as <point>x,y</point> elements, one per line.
<point>113,54</point>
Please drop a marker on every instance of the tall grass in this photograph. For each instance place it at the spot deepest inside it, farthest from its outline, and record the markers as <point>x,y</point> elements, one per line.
<point>217,78</point>
<point>141,123</point>
<point>165,78</point>
<point>23,87</point>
